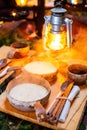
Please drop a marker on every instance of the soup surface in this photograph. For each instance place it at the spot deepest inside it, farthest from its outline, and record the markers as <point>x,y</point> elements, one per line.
<point>40,67</point>
<point>28,92</point>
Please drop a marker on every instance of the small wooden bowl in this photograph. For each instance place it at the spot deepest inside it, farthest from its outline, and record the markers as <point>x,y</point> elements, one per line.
<point>77,73</point>
<point>18,50</point>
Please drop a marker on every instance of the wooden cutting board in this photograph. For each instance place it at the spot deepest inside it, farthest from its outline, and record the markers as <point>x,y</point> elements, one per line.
<point>76,54</point>
<point>72,120</point>
<point>74,115</point>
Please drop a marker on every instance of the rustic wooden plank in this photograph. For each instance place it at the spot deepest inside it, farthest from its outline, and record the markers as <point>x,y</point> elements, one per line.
<point>55,88</point>
<point>61,59</point>
<point>76,109</point>
<point>74,124</point>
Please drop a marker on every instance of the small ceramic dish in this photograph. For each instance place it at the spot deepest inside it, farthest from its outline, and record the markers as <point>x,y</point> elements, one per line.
<point>77,73</point>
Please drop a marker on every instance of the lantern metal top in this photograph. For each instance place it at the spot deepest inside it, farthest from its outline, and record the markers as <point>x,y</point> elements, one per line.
<point>59,10</point>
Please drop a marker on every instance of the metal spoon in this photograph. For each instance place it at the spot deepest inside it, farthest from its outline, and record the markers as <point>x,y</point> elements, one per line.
<point>3,63</point>
<point>65,84</point>
<point>8,69</point>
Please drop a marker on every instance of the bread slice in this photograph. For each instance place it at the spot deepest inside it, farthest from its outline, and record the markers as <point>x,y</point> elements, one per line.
<point>42,68</point>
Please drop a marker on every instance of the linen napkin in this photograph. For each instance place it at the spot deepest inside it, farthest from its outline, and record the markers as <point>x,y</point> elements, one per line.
<point>75,90</point>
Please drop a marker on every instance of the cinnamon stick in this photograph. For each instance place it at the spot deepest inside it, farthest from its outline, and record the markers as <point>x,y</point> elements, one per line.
<point>66,93</point>
<point>53,106</point>
<point>50,118</point>
<point>62,103</point>
<point>63,87</point>
<point>56,109</point>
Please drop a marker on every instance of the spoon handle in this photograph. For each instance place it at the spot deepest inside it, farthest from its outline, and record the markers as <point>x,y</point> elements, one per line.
<point>40,111</point>
<point>65,85</point>
<point>4,72</point>
<point>8,69</point>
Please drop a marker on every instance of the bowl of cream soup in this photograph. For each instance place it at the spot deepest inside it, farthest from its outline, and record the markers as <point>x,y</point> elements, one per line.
<point>26,90</point>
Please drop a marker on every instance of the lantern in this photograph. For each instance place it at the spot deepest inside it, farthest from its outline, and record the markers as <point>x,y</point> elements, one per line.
<point>57,30</point>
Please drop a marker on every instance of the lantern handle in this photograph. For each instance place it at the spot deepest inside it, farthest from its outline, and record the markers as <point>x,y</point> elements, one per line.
<point>69,31</point>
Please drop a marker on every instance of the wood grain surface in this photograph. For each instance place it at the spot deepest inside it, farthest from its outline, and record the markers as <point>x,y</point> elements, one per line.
<point>61,59</point>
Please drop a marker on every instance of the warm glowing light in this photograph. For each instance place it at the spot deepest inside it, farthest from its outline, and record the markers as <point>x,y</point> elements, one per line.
<point>56,41</point>
<point>1,22</point>
<point>45,34</point>
<point>21,2</point>
<point>86,5</point>
<point>13,13</point>
<point>75,2</point>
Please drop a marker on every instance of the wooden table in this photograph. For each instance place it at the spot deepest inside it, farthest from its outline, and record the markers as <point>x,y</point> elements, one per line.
<point>61,59</point>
